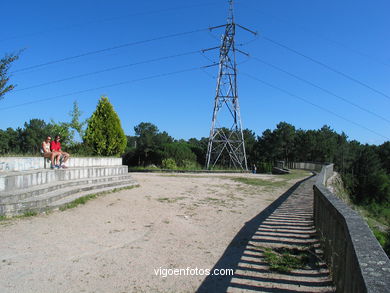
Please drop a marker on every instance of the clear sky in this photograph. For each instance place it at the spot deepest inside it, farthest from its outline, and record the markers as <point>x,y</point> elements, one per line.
<point>351,37</point>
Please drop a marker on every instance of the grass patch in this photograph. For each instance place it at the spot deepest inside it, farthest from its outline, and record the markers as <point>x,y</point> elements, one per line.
<point>29,214</point>
<point>259,182</point>
<point>296,174</point>
<point>76,202</point>
<point>84,199</point>
<point>170,199</point>
<point>26,214</point>
<point>284,260</point>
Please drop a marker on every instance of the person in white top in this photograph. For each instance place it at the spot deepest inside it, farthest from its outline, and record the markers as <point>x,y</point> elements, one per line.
<point>49,154</point>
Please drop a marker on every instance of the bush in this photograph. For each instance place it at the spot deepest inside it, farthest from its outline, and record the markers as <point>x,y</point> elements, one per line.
<point>104,133</point>
<point>263,167</point>
<point>180,152</point>
<point>169,164</point>
<point>190,165</point>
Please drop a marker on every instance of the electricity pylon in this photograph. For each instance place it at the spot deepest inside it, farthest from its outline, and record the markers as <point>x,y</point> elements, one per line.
<point>226,140</point>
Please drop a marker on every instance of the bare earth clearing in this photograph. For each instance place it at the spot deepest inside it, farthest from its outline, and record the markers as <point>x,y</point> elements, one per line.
<point>116,242</point>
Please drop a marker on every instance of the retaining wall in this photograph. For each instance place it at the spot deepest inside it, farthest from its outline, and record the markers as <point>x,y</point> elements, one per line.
<point>357,261</point>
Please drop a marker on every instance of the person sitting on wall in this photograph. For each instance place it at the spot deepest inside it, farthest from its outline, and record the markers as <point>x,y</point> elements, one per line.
<point>55,146</point>
<point>47,153</point>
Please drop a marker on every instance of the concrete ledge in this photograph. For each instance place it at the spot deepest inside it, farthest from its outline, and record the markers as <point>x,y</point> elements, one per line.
<point>357,261</point>
<point>10,181</point>
<point>31,163</point>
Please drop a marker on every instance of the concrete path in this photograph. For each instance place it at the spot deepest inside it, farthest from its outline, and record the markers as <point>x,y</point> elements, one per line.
<point>287,223</point>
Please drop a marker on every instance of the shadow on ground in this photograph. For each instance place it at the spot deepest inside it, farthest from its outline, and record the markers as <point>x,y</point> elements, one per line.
<point>286,223</point>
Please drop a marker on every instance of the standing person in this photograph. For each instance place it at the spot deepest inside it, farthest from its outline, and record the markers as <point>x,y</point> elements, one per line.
<point>254,170</point>
<point>55,146</point>
<point>47,153</point>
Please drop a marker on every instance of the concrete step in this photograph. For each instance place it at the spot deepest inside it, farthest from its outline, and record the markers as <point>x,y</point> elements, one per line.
<point>11,181</point>
<point>64,201</point>
<point>18,195</point>
<point>47,200</point>
<point>30,163</point>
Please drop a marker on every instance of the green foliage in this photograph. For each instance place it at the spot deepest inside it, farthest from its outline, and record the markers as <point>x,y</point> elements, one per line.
<point>169,163</point>
<point>199,148</point>
<point>180,152</point>
<point>284,260</point>
<point>264,167</point>
<point>149,145</point>
<point>104,133</point>
<point>384,155</point>
<point>86,198</point>
<point>75,123</point>
<point>283,179</point>
<point>260,182</point>
<point>4,79</point>
<point>383,238</point>
<point>61,129</point>
<point>190,165</point>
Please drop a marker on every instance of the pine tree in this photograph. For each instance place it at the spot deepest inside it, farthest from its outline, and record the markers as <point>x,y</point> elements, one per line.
<point>104,133</point>
<point>4,78</point>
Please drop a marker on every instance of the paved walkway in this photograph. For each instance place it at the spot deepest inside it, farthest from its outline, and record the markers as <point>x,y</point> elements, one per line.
<point>287,223</point>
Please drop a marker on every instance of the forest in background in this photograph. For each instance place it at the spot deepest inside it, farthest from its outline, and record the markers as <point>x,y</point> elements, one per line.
<point>364,169</point>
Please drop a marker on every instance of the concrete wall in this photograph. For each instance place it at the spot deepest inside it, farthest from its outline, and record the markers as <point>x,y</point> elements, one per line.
<point>31,163</point>
<point>305,166</point>
<point>357,261</point>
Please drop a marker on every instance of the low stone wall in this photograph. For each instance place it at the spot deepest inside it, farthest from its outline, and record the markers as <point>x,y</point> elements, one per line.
<point>305,166</point>
<point>357,261</point>
<point>31,163</point>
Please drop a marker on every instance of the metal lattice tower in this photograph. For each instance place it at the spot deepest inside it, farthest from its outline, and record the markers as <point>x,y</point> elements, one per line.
<point>226,141</point>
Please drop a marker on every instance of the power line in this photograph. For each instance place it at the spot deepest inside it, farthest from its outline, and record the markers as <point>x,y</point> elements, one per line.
<point>109,49</point>
<point>320,88</point>
<point>103,87</point>
<point>327,67</point>
<point>319,36</point>
<point>107,70</point>
<point>314,105</point>
<point>102,20</point>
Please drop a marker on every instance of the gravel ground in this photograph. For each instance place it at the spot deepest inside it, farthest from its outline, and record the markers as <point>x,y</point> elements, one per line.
<point>127,241</point>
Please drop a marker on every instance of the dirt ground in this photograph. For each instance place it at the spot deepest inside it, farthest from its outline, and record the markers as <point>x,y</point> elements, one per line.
<point>118,242</point>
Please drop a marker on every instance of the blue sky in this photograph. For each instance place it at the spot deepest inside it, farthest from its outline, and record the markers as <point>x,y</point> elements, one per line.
<point>352,37</point>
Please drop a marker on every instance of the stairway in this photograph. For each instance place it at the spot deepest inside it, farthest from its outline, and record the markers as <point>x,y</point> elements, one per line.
<point>38,190</point>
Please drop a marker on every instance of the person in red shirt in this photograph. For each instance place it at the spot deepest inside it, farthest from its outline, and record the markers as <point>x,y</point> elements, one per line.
<point>55,146</point>
<point>45,150</point>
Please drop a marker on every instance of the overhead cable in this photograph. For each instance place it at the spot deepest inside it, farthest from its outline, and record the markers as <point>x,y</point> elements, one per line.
<point>327,67</point>
<point>314,105</point>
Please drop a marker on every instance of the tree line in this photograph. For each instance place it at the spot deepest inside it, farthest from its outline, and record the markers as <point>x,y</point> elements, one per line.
<point>365,169</point>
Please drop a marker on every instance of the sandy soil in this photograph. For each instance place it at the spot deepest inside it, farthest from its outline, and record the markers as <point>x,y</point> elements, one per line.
<point>117,242</point>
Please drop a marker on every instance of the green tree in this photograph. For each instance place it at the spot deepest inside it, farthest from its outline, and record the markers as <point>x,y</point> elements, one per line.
<point>384,155</point>
<point>250,143</point>
<point>104,134</point>
<point>199,148</point>
<point>180,152</point>
<point>150,144</point>
<point>75,123</point>
<point>61,129</point>
<point>32,135</point>
<point>284,141</point>
<point>4,78</point>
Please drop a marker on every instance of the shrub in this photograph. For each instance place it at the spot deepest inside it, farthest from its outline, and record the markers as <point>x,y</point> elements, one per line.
<point>169,164</point>
<point>104,133</point>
